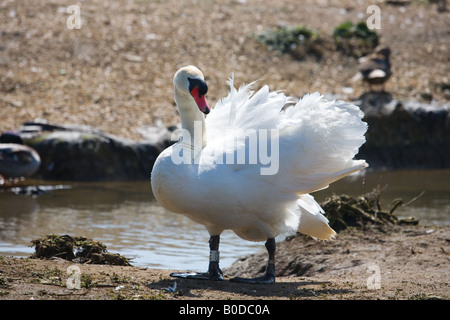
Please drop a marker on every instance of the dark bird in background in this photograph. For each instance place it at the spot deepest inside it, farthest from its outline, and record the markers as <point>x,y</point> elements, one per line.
<point>442,6</point>
<point>375,69</point>
<point>16,159</point>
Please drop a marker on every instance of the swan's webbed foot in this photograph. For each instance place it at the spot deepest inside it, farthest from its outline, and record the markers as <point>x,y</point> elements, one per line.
<point>265,279</point>
<point>269,276</point>
<point>214,272</point>
<point>198,276</point>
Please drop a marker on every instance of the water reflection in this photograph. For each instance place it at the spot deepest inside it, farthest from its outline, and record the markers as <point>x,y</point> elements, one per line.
<point>127,219</point>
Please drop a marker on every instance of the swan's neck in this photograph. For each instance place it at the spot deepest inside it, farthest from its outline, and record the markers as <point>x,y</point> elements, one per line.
<point>192,121</point>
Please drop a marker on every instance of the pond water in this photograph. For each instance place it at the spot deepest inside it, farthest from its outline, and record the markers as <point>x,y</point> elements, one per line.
<point>126,217</point>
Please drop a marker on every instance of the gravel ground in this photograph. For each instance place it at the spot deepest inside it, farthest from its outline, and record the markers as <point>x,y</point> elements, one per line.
<point>115,72</point>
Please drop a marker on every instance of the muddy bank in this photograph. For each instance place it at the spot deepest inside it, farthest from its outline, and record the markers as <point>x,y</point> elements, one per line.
<point>82,153</point>
<point>411,262</point>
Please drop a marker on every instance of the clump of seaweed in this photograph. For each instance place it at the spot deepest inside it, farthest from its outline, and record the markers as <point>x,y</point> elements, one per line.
<point>76,249</point>
<point>344,211</point>
<point>355,39</point>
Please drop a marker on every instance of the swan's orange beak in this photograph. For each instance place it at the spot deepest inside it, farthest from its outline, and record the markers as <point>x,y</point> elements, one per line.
<point>200,100</point>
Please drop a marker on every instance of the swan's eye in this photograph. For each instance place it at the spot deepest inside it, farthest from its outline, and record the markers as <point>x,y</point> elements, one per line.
<point>200,84</point>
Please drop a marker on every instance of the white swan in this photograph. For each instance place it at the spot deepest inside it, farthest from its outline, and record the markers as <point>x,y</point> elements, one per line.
<point>250,165</point>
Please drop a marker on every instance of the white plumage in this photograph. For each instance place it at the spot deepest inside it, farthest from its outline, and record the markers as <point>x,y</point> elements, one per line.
<point>258,199</point>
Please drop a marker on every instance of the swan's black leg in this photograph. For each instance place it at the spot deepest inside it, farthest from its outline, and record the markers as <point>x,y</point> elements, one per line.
<point>214,272</point>
<point>269,277</point>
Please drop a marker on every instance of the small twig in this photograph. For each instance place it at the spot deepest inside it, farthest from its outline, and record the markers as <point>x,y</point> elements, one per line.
<point>414,199</point>
<point>396,203</point>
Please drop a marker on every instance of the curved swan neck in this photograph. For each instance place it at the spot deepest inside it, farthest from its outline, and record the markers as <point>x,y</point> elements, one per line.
<point>192,120</point>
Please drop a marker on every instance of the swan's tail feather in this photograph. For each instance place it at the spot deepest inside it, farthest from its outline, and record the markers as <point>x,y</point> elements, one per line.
<point>312,220</point>
<point>357,166</point>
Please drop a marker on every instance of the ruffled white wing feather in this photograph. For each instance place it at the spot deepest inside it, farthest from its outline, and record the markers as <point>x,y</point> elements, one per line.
<point>243,109</point>
<point>317,141</point>
<point>317,138</point>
